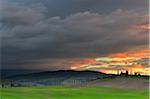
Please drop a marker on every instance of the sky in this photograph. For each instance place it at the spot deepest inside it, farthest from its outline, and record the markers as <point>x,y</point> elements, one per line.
<point>101,35</point>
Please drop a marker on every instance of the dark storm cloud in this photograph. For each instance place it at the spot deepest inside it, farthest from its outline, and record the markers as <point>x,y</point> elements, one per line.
<point>31,37</point>
<point>67,7</point>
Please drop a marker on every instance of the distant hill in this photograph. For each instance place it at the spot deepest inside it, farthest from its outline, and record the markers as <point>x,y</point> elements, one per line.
<point>61,77</point>
<point>73,78</point>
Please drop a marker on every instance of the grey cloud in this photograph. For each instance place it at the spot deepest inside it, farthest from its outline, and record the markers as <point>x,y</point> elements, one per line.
<point>29,35</point>
<point>15,14</point>
<point>66,7</point>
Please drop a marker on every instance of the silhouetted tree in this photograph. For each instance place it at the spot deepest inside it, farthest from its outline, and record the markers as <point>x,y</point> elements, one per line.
<point>3,85</point>
<point>12,85</point>
<point>127,73</point>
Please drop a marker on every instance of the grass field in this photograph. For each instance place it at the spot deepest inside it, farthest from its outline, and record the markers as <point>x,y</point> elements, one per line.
<point>59,92</point>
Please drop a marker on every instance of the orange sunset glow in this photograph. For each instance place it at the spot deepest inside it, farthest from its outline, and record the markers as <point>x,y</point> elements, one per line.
<point>144,26</point>
<point>134,61</point>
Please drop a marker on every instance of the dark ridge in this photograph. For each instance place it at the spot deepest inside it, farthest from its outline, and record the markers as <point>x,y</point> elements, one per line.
<point>56,73</point>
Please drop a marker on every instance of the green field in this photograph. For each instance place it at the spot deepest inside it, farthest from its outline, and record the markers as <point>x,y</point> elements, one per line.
<point>72,93</point>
